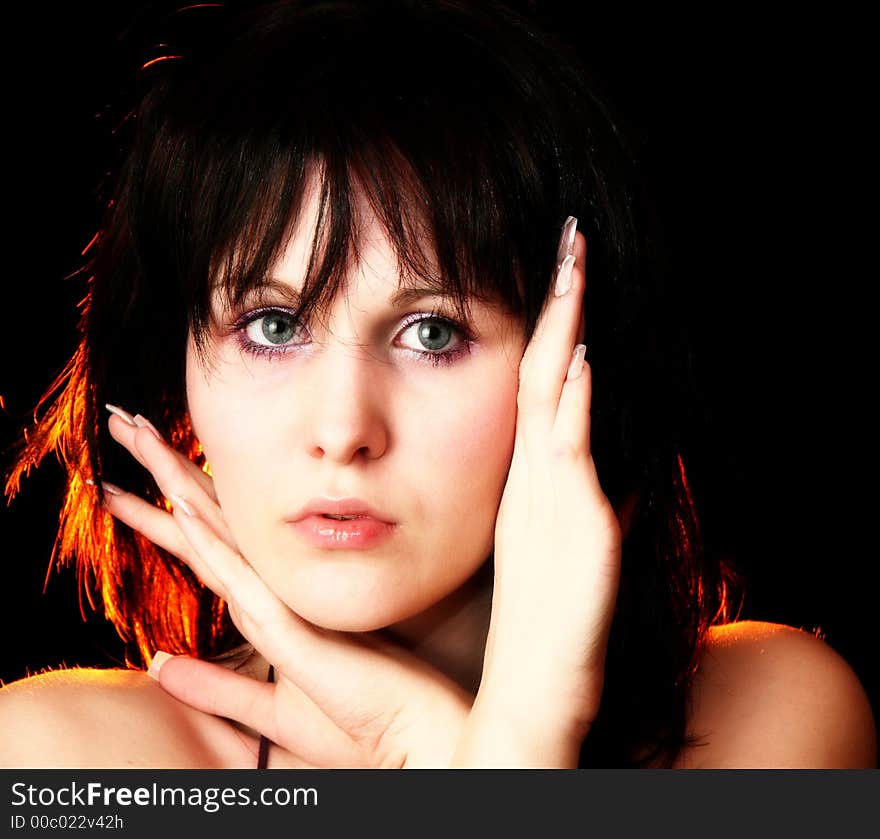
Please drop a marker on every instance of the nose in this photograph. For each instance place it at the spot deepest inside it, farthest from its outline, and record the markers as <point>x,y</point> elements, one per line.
<point>348,414</point>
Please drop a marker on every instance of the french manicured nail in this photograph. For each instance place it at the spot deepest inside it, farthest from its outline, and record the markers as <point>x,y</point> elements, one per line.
<point>142,422</point>
<point>563,276</point>
<point>566,240</point>
<point>575,368</point>
<point>121,414</point>
<point>159,658</point>
<point>109,488</point>
<point>180,501</point>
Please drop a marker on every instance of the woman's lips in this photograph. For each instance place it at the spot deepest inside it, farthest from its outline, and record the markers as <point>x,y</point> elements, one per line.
<point>334,534</point>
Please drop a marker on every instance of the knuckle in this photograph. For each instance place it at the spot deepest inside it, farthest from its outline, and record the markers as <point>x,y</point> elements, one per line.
<point>568,450</point>
<point>562,451</point>
<point>176,478</point>
<point>142,434</point>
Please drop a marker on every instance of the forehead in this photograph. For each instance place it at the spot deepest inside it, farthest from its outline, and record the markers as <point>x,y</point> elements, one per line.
<point>377,262</point>
<point>373,260</point>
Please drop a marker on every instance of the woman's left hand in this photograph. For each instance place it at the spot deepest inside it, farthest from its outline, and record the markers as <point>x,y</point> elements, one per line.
<point>557,541</point>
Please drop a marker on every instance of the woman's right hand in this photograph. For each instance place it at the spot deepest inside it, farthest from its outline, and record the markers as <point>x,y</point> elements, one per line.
<point>339,699</point>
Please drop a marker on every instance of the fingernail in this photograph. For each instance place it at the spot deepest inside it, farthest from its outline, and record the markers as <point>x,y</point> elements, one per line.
<point>112,489</point>
<point>563,276</point>
<point>122,414</point>
<point>575,368</point>
<point>159,658</point>
<point>566,240</point>
<point>181,502</point>
<point>142,422</point>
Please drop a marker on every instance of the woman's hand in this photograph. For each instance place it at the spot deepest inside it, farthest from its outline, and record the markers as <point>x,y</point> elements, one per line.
<point>557,540</point>
<point>339,699</point>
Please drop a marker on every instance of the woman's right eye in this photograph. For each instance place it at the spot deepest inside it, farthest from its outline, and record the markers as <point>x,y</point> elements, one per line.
<point>267,331</point>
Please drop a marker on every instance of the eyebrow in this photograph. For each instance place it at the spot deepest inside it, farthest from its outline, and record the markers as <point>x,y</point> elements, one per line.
<point>401,297</point>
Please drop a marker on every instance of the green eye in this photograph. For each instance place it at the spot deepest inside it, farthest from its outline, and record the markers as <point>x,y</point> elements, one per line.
<point>275,327</point>
<point>434,334</point>
<point>267,330</point>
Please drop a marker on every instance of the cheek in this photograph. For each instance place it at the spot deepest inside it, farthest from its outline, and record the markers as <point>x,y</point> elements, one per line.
<point>470,446</point>
<point>216,411</point>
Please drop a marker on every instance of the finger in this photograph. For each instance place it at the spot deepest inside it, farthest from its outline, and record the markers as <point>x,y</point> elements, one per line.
<point>571,243</point>
<point>574,470</point>
<point>571,429</point>
<point>549,352</point>
<point>171,473</point>
<point>159,527</point>
<point>218,690</point>
<point>222,692</point>
<point>168,467</point>
<point>122,429</point>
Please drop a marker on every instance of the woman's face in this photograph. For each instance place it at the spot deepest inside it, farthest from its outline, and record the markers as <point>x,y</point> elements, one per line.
<point>348,408</point>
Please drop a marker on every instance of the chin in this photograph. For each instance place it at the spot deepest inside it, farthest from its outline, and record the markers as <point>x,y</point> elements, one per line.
<point>351,617</point>
<point>353,605</point>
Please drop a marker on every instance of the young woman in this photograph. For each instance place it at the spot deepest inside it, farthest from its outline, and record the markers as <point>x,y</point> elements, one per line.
<point>332,443</point>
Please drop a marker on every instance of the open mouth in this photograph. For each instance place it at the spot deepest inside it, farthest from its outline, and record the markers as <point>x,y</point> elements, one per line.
<point>335,531</point>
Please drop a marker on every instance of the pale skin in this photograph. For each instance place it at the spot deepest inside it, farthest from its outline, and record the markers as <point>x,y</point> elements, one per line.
<point>404,657</point>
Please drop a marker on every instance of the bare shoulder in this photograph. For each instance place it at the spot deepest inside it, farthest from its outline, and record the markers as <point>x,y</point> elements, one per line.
<point>88,718</point>
<point>772,696</point>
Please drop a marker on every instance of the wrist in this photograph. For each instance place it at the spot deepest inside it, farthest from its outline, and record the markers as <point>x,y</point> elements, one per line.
<point>561,715</point>
<point>500,736</point>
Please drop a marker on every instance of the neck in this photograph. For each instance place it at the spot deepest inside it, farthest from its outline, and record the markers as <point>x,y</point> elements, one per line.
<point>451,635</point>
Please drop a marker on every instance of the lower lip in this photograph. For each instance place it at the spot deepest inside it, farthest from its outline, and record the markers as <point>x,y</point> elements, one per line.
<point>332,534</point>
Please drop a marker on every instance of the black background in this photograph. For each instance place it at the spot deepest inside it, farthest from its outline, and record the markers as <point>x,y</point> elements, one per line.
<point>745,129</point>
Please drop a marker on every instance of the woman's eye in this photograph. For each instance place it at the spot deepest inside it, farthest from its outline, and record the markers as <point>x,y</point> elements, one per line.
<point>273,329</point>
<point>432,334</point>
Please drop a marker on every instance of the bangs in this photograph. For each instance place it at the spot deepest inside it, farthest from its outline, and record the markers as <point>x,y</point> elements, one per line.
<point>375,183</point>
<point>440,121</point>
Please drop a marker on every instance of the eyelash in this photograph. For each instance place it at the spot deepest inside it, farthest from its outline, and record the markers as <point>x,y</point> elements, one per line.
<point>435,359</point>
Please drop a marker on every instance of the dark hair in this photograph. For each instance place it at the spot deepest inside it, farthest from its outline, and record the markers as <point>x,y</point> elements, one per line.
<point>465,126</point>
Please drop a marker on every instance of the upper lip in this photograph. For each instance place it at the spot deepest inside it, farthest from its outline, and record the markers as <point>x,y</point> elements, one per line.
<point>340,507</point>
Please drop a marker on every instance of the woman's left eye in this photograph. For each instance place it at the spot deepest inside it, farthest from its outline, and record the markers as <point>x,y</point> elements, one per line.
<point>434,332</point>
<point>268,332</point>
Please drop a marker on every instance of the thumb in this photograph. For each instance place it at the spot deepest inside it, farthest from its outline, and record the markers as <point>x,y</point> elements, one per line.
<point>297,723</point>
<point>214,689</point>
